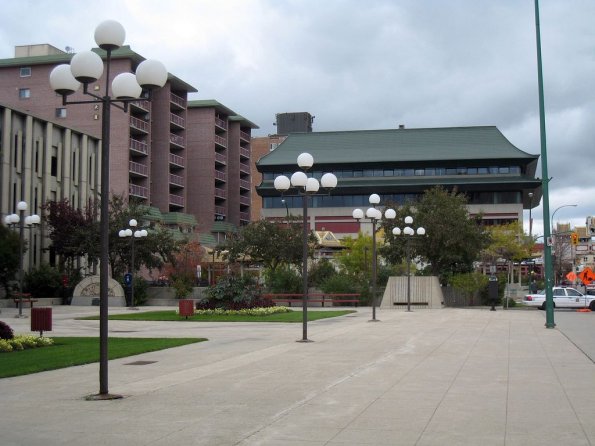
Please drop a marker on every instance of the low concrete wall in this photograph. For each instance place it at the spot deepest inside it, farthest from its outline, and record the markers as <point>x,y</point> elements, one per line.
<point>425,292</point>
<point>87,293</point>
<point>164,292</point>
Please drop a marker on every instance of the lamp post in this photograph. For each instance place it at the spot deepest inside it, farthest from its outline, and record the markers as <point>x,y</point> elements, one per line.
<point>408,231</point>
<point>138,233</point>
<point>87,67</point>
<point>558,251</point>
<point>21,220</point>
<point>306,187</point>
<point>374,215</point>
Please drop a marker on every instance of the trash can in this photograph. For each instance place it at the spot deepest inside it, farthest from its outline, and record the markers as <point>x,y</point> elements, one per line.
<point>493,291</point>
<point>186,307</point>
<point>41,320</point>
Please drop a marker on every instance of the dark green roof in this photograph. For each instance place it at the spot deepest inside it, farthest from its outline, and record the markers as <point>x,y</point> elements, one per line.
<point>151,213</point>
<point>396,145</point>
<point>124,52</point>
<point>179,218</point>
<point>206,239</point>
<point>224,226</point>
<point>232,115</point>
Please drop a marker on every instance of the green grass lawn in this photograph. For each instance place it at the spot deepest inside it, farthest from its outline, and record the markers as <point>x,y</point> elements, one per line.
<point>292,316</point>
<point>67,352</point>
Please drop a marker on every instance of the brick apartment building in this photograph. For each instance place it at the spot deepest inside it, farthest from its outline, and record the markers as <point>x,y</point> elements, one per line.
<point>176,155</point>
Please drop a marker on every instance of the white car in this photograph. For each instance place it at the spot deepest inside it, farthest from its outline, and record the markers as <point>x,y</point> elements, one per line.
<point>563,298</point>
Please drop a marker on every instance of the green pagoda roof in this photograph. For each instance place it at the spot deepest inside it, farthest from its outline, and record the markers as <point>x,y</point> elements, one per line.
<point>396,145</point>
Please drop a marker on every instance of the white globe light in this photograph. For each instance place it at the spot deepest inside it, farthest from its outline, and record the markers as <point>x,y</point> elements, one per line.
<point>312,185</point>
<point>125,86</point>
<point>390,214</point>
<point>305,161</point>
<point>62,81</point>
<point>122,233</point>
<point>128,232</point>
<point>151,74</point>
<point>408,220</point>
<point>374,199</point>
<point>22,206</point>
<point>397,231</point>
<point>371,213</point>
<point>86,66</point>
<point>408,231</point>
<point>109,35</point>
<point>299,179</point>
<point>282,183</point>
<point>144,233</point>
<point>357,214</point>
<point>35,219</point>
<point>28,220</point>
<point>138,234</point>
<point>421,231</point>
<point>133,223</point>
<point>7,220</point>
<point>328,181</point>
<point>14,218</point>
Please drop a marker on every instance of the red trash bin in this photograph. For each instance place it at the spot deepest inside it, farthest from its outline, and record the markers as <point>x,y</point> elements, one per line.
<point>186,307</point>
<point>41,320</point>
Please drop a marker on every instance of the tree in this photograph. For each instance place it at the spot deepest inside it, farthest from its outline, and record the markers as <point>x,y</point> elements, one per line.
<point>507,242</point>
<point>158,248</point>
<point>9,256</point>
<point>453,239</point>
<point>73,232</point>
<point>269,243</point>
<point>181,271</point>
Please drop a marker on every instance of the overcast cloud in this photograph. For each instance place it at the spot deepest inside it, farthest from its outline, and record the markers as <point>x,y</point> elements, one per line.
<point>367,65</point>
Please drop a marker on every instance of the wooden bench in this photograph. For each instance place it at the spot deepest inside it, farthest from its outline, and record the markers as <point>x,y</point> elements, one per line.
<point>418,304</point>
<point>321,298</point>
<point>26,298</point>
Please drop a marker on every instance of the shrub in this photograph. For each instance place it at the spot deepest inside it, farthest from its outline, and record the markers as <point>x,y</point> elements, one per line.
<point>22,342</point>
<point>5,346</point>
<point>44,281</point>
<point>141,294</point>
<point>511,302</point>
<point>182,285</point>
<point>320,271</point>
<point>5,331</point>
<point>233,292</point>
<point>284,280</point>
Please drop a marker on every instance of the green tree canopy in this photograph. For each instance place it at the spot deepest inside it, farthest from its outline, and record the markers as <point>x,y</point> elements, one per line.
<point>269,243</point>
<point>9,256</point>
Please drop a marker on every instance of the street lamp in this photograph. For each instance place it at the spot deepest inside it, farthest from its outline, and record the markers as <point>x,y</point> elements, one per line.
<point>87,67</point>
<point>374,215</point>
<point>30,221</point>
<point>306,187</point>
<point>407,230</point>
<point>557,209</point>
<point>138,233</point>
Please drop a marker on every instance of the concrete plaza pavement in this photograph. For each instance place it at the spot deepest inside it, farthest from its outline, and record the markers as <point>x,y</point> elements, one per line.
<point>427,377</point>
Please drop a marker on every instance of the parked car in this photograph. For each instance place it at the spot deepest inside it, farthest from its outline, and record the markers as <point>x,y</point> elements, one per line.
<point>563,298</point>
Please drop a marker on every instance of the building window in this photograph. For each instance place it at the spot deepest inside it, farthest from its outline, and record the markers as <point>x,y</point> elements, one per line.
<point>61,112</point>
<point>25,71</point>
<point>24,93</point>
<point>54,166</point>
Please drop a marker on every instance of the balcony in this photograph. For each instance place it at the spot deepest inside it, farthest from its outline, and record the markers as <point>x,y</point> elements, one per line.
<point>138,191</point>
<point>220,175</point>
<point>220,140</point>
<point>245,152</point>
<point>220,193</point>
<point>177,121</point>
<point>138,169</point>
<point>176,200</point>
<point>177,100</point>
<point>177,140</point>
<point>176,180</point>
<point>220,210</point>
<point>245,184</point>
<point>221,123</point>
<point>176,160</point>
<point>139,146</point>
<point>245,168</point>
<point>245,136</point>
<point>139,124</point>
<point>244,200</point>
<point>245,216</point>
<point>141,105</point>
<point>220,158</point>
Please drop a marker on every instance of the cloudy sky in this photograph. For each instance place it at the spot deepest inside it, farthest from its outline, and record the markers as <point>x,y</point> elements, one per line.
<point>367,65</point>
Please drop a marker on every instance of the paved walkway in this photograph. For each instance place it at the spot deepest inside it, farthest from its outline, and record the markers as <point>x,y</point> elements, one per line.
<point>429,377</point>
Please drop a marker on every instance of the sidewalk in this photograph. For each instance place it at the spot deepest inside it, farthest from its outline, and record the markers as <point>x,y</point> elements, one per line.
<point>428,377</point>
